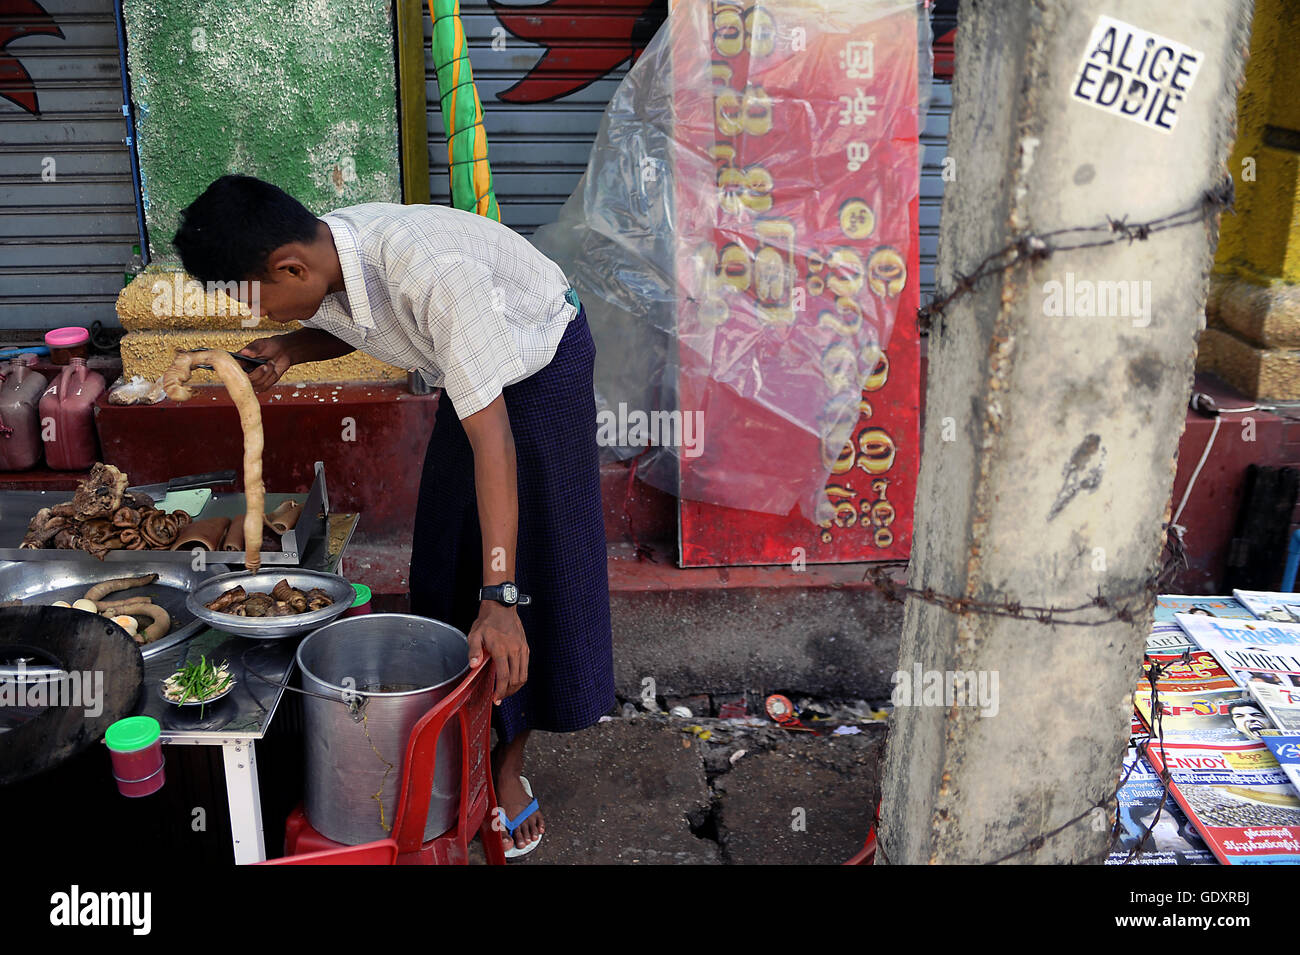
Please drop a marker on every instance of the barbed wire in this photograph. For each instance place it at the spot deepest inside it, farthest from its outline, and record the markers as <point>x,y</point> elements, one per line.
<point>1175,560</point>
<point>1031,247</point>
<point>1153,671</point>
<point>1119,606</point>
<point>1035,247</point>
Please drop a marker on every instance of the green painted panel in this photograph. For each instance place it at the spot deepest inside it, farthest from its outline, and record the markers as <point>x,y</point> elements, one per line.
<point>301,93</point>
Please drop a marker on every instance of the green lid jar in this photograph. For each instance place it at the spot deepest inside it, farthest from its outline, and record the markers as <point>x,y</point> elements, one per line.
<point>363,595</point>
<point>132,734</point>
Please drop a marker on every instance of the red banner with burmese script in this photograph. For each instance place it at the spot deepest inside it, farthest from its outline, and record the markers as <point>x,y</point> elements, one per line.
<point>797,258</point>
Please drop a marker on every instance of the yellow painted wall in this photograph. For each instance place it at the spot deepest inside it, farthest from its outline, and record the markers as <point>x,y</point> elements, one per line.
<point>1261,242</point>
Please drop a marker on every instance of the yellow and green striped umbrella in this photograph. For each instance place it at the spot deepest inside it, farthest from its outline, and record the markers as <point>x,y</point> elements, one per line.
<point>462,114</point>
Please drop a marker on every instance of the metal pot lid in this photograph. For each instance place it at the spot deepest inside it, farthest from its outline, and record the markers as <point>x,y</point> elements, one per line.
<point>46,720</point>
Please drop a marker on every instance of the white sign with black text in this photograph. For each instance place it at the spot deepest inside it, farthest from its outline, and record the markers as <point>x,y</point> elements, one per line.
<point>1141,76</point>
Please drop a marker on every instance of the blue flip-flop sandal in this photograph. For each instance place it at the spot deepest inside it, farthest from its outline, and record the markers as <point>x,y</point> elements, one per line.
<point>514,852</point>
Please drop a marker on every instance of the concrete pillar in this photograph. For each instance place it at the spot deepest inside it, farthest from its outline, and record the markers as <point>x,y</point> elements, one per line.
<point>1253,341</point>
<point>1051,429</point>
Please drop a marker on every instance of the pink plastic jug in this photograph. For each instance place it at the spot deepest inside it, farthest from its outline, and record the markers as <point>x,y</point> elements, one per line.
<point>68,417</point>
<point>20,430</point>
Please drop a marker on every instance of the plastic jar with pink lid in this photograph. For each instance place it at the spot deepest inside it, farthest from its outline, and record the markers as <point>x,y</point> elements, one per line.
<point>68,343</point>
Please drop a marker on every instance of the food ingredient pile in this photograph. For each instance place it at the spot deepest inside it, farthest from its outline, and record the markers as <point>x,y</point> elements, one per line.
<point>104,516</point>
<point>126,612</point>
<point>284,600</point>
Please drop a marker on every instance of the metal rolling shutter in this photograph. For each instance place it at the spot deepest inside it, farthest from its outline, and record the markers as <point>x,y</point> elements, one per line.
<point>64,243</point>
<point>539,150</point>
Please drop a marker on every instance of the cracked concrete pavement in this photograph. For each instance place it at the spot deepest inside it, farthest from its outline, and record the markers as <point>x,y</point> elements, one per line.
<point>648,790</point>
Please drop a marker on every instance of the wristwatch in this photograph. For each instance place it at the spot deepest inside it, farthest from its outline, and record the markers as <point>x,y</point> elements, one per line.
<point>506,594</point>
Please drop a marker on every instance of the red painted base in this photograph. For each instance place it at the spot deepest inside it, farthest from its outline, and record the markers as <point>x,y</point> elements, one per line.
<point>1210,515</point>
<point>372,440</point>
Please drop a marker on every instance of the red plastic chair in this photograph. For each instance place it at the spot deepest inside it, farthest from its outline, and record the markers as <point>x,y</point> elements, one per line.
<point>383,852</point>
<point>471,707</point>
<point>867,854</point>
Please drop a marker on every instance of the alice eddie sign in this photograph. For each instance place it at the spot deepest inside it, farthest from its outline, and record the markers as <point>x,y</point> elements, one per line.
<point>1141,76</point>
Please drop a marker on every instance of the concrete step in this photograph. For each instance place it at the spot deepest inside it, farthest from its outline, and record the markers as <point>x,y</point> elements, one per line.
<point>822,631</point>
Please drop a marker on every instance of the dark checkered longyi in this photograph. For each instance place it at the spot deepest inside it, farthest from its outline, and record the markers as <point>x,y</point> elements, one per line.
<point>560,559</point>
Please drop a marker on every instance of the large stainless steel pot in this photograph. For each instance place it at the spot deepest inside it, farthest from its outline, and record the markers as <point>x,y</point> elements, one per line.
<point>381,673</point>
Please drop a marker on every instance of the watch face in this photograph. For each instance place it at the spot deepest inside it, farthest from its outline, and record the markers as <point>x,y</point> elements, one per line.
<point>509,593</point>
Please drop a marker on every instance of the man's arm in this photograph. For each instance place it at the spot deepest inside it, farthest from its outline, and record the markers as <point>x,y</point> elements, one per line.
<point>497,629</point>
<point>292,348</point>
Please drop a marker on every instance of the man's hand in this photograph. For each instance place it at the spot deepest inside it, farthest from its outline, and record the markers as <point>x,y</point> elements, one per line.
<point>278,361</point>
<point>498,632</point>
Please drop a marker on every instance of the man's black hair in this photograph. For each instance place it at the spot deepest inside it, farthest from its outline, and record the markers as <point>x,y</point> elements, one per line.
<point>227,233</point>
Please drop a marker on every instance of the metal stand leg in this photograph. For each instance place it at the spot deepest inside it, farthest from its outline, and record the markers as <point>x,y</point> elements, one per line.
<point>245,802</point>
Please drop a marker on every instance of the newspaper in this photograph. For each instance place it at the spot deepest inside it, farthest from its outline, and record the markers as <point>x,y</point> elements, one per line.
<point>1270,605</point>
<point>1262,656</point>
<point>1172,841</point>
<point>1167,637</point>
<point>1169,604</point>
<point>1286,750</point>
<point>1237,796</point>
<point>1198,698</point>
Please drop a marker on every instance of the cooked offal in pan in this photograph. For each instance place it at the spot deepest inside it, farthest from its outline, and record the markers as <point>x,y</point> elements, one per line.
<point>284,600</point>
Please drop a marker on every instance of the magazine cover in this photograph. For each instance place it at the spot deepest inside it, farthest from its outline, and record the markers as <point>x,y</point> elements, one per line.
<point>1260,655</point>
<point>1269,605</point>
<point>1286,750</point>
<point>1198,698</point>
<point>1138,731</point>
<point>1168,638</point>
<point>1172,841</point>
<point>1169,604</point>
<point>1280,703</point>
<point>1238,797</point>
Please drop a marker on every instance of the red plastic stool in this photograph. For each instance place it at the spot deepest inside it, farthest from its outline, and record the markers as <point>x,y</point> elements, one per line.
<point>471,707</point>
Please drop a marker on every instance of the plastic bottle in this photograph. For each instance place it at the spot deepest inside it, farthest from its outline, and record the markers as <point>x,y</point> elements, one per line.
<point>68,417</point>
<point>134,266</point>
<point>20,427</point>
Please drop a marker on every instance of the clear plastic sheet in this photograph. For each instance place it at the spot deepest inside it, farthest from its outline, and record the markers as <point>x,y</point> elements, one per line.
<point>741,238</point>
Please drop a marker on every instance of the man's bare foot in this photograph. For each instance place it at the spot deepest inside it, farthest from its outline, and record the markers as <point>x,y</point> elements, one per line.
<point>507,767</point>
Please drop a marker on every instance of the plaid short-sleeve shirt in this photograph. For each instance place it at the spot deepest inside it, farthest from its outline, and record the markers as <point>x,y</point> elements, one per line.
<point>464,300</point>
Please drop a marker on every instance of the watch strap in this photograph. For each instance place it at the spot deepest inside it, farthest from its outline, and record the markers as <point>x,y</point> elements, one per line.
<point>495,592</point>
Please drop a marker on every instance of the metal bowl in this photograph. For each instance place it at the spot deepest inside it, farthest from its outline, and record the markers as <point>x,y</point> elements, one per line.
<point>41,582</point>
<point>270,628</point>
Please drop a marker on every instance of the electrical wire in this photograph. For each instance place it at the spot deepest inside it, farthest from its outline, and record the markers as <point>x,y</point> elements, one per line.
<point>1191,483</point>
